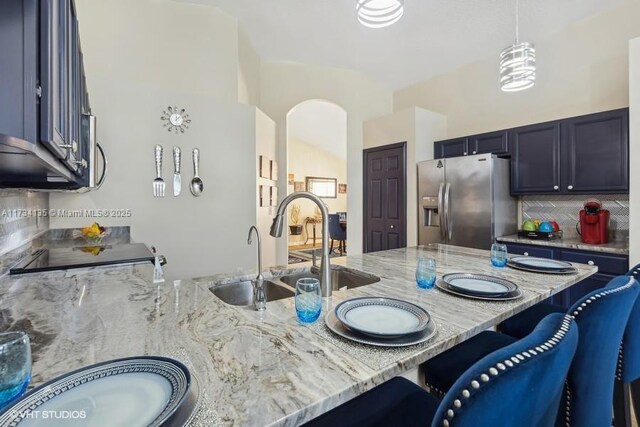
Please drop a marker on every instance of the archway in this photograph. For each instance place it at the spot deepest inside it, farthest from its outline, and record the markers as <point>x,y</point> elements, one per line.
<point>316,162</point>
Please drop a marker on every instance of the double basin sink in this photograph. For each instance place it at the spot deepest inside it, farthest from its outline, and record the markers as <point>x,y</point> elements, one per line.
<point>241,293</point>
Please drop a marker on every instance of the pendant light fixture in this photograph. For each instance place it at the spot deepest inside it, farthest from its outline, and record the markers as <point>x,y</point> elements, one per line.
<point>517,63</point>
<point>379,13</point>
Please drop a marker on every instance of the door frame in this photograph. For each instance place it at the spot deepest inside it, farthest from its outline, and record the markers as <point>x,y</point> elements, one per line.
<point>365,154</point>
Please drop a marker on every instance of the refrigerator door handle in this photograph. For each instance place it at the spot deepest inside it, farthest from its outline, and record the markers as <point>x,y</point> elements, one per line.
<point>447,211</point>
<point>441,211</point>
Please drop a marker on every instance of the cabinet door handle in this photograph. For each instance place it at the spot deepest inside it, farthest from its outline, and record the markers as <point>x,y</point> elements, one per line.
<point>526,254</point>
<point>570,187</point>
<point>392,227</point>
<point>73,146</point>
<point>591,262</point>
<point>556,187</point>
<point>474,152</point>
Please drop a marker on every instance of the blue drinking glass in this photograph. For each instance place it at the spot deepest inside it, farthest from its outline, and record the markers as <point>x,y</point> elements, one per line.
<point>499,256</point>
<point>426,273</point>
<point>308,300</point>
<point>15,366</point>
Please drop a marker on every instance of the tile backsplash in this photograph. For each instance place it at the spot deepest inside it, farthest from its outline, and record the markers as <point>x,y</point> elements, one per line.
<point>565,210</point>
<point>19,221</point>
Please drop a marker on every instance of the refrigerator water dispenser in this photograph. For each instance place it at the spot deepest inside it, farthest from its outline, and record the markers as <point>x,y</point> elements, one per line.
<point>430,216</point>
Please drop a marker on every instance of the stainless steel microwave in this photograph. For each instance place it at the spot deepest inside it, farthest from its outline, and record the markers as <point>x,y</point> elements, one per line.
<point>95,154</point>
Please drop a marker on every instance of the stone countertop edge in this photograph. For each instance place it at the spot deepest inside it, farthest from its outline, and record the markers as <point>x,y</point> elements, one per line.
<point>613,247</point>
<point>254,368</point>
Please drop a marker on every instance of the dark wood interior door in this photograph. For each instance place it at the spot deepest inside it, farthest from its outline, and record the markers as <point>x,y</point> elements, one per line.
<point>385,198</point>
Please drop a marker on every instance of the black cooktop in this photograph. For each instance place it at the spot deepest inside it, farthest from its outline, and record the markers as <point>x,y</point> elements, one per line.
<point>82,257</point>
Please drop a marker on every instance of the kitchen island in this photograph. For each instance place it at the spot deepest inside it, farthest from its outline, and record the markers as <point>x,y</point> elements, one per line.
<point>251,368</point>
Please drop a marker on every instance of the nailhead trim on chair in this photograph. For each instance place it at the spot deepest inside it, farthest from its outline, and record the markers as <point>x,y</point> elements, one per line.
<point>620,356</point>
<point>501,367</point>
<point>575,314</point>
<point>435,390</point>
<point>567,409</point>
<point>636,275</point>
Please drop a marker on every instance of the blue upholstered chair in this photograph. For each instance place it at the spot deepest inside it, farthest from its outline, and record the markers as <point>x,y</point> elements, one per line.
<point>519,385</point>
<point>337,233</point>
<point>601,317</point>
<point>628,373</point>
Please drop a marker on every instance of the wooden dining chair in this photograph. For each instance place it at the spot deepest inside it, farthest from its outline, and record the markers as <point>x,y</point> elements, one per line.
<point>627,382</point>
<point>518,385</point>
<point>337,233</point>
<point>601,317</point>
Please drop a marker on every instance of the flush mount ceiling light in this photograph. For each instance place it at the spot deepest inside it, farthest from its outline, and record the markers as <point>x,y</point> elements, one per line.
<point>517,63</point>
<point>379,13</point>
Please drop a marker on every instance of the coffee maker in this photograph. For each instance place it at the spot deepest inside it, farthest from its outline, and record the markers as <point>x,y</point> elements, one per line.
<point>594,223</point>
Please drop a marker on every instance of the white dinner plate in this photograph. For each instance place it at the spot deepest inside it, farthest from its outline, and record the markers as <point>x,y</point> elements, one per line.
<point>442,285</point>
<point>571,270</point>
<point>479,284</point>
<point>540,263</point>
<point>382,317</point>
<point>338,328</point>
<point>139,391</point>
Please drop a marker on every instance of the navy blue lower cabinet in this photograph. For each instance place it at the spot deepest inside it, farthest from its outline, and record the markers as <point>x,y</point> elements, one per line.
<point>609,266</point>
<point>582,288</point>
<point>616,265</point>
<point>530,250</point>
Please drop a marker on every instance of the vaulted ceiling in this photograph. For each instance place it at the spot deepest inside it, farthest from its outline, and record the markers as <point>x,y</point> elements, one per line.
<point>320,123</point>
<point>433,37</point>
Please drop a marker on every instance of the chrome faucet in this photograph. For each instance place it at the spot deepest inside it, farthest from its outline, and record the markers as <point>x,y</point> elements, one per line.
<point>259,296</point>
<point>276,231</point>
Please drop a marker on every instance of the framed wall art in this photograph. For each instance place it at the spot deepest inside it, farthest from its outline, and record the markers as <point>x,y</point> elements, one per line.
<point>265,167</point>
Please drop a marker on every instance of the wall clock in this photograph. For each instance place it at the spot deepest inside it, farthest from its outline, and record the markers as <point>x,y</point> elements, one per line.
<point>175,119</point>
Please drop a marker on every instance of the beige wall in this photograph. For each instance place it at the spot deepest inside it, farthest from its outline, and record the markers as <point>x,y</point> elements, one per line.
<point>634,196</point>
<point>266,136</point>
<point>418,128</point>
<point>581,69</point>
<point>285,85</point>
<point>307,160</point>
<point>248,71</point>
<point>140,57</point>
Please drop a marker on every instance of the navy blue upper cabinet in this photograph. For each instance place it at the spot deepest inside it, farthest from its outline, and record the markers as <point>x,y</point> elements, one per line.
<point>43,95</point>
<point>535,156</point>
<point>75,93</point>
<point>54,77</point>
<point>19,69</point>
<point>451,148</point>
<point>580,155</point>
<point>493,142</point>
<point>596,153</point>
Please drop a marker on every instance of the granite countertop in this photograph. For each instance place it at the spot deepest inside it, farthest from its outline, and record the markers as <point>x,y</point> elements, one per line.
<point>613,247</point>
<point>252,368</point>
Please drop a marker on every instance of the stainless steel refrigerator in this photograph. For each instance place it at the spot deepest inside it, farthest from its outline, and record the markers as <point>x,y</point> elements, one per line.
<point>465,201</point>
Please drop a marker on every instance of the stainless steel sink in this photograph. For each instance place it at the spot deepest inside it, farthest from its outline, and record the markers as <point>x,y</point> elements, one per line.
<point>341,278</point>
<point>241,293</point>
